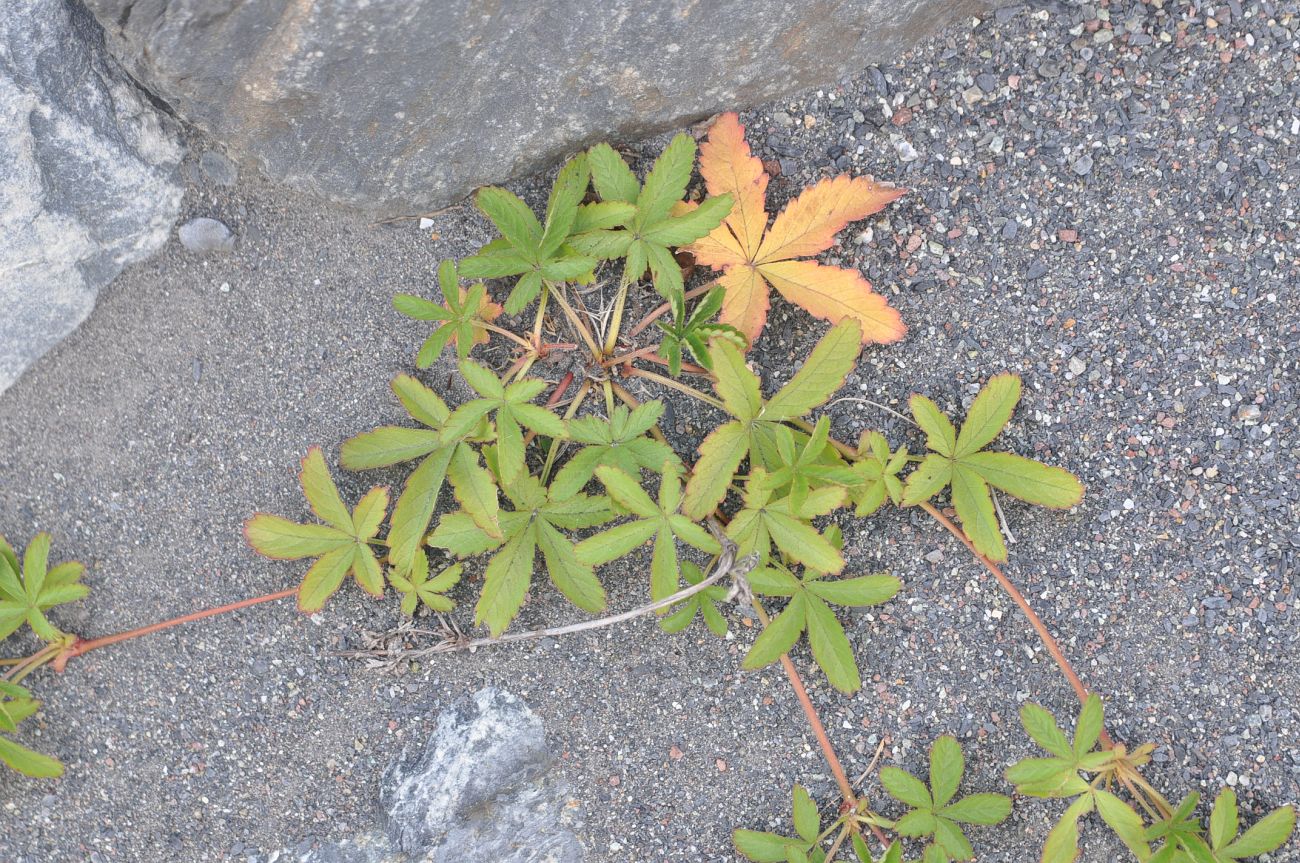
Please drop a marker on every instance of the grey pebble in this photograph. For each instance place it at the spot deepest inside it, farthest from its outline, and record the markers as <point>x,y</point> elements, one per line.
<point>1083,165</point>
<point>1037,269</point>
<point>206,235</point>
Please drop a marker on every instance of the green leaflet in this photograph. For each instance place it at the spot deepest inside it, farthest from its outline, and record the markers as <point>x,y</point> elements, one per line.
<point>538,253</point>
<point>763,847</point>
<point>533,525</point>
<point>957,460</point>
<point>16,704</point>
<point>932,812</point>
<point>340,546</point>
<point>755,422</point>
<point>646,237</point>
<point>622,441</point>
<point>30,590</point>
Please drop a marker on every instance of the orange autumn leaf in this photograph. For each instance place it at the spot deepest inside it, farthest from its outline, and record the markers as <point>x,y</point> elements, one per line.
<point>754,257</point>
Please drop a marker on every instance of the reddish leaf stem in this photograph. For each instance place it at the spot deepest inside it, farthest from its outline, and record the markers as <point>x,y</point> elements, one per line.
<point>1035,621</point>
<point>659,310</point>
<point>80,646</point>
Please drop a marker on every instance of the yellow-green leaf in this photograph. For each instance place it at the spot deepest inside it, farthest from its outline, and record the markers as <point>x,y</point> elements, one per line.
<point>318,486</point>
<point>821,374</point>
<point>1031,481</point>
<point>971,498</point>
<point>940,435</point>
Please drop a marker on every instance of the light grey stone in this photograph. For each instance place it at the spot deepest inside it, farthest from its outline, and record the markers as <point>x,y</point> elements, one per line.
<point>403,106</point>
<point>480,789</point>
<point>87,175</point>
<point>206,235</point>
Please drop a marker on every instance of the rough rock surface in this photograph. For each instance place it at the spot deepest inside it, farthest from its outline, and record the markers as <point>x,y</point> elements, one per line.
<point>478,790</point>
<point>87,171</point>
<point>400,107</point>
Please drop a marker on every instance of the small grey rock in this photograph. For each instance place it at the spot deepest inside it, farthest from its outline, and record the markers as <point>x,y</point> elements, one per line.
<point>1083,165</point>
<point>218,168</point>
<point>1037,270</point>
<point>479,784</point>
<point>987,81</point>
<point>206,235</point>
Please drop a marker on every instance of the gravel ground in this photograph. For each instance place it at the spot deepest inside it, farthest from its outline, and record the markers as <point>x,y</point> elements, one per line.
<point>1103,200</point>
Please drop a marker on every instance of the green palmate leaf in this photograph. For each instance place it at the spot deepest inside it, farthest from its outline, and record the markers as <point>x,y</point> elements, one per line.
<point>1059,776</point>
<point>933,813</point>
<point>755,427</point>
<point>808,612</point>
<point>459,320</point>
<point>875,474</point>
<point>510,407</point>
<point>958,460</point>
<point>654,520</point>
<point>658,221</point>
<point>30,590</point>
<point>418,588</point>
<point>535,252</point>
<point>622,441</point>
<point>764,522</point>
<point>532,526</point>
<point>340,546</point>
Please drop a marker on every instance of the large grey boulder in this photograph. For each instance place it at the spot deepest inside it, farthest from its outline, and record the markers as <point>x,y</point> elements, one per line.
<point>87,175</point>
<point>404,105</point>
